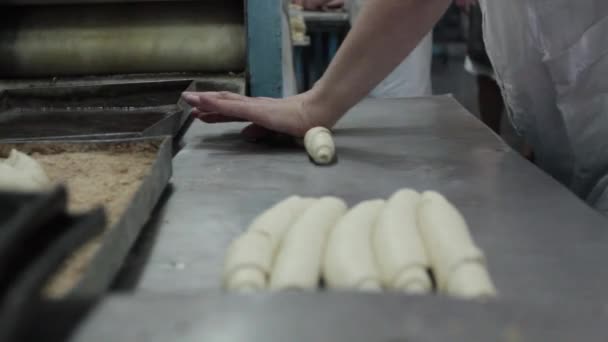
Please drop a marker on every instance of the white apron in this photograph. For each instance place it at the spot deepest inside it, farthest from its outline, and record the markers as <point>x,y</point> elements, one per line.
<point>412,78</point>
<point>551,61</point>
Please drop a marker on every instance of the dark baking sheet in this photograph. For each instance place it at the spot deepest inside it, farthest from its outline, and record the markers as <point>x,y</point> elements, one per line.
<point>96,112</point>
<point>119,238</point>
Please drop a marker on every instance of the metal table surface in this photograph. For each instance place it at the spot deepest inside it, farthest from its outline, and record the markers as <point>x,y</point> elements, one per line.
<point>546,249</point>
<point>305,317</point>
<point>543,244</point>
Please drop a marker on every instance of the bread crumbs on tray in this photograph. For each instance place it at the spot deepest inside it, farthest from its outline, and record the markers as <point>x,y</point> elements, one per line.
<point>93,178</point>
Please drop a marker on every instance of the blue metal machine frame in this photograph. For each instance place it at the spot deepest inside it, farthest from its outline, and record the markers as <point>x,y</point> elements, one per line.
<point>264,46</point>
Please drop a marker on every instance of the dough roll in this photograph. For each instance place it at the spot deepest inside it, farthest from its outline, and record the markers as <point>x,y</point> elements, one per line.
<point>298,263</point>
<point>458,265</point>
<point>349,259</point>
<point>72,40</point>
<point>275,221</point>
<point>320,145</point>
<point>28,165</point>
<point>399,249</point>
<point>248,263</point>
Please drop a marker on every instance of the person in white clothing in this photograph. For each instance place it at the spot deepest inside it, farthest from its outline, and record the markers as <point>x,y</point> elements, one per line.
<point>411,78</point>
<point>550,58</point>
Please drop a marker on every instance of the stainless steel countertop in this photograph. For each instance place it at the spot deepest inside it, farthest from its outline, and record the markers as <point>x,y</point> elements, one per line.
<point>546,249</point>
<point>542,243</point>
<point>306,317</point>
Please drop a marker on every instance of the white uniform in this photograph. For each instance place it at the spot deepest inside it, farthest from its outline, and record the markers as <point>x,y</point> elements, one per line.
<point>550,58</point>
<point>413,76</point>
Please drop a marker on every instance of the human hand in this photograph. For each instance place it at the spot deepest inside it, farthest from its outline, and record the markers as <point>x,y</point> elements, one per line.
<point>293,115</point>
<point>319,4</point>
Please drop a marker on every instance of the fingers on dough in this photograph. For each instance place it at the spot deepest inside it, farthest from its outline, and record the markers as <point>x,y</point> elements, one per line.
<point>349,258</point>
<point>458,264</point>
<point>298,263</point>
<point>20,172</point>
<point>320,145</point>
<point>276,221</point>
<point>248,262</point>
<point>400,253</point>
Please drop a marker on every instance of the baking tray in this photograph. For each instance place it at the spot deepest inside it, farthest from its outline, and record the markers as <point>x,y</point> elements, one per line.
<point>119,238</point>
<point>99,112</point>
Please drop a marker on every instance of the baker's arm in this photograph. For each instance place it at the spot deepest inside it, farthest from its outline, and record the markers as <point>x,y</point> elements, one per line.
<point>385,33</point>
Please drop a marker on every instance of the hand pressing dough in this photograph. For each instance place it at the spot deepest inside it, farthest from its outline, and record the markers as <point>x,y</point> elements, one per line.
<point>21,173</point>
<point>248,262</point>
<point>298,263</point>
<point>349,258</point>
<point>276,221</point>
<point>320,145</point>
<point>458,264</point>
<point>400,252</point>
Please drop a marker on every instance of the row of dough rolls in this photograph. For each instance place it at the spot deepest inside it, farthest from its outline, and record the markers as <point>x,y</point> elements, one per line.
<point>282,247</point>
<point>376,245</point>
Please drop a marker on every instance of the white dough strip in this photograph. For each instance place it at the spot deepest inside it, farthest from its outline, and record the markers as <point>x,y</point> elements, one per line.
<point>250,257</point>
<point>399,249</point>
<point>349,259</point>
<point>458,265</point>
<point>298,263</point>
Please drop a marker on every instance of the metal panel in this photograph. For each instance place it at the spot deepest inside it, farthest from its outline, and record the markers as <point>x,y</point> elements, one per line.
<point>335,317</point>
<point>264,47</point>
<point>542,243</point>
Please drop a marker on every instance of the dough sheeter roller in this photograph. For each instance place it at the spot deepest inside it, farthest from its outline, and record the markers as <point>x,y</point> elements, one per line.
<point>89,42</point>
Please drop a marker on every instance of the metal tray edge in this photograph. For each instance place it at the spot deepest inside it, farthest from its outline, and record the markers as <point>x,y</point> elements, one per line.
<point>117,243</point>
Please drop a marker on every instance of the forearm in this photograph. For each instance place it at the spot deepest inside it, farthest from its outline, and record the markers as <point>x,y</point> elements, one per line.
<point>383,35</point>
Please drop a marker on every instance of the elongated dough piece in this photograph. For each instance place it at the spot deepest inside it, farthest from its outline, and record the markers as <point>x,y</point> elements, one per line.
<point>276,221</point>
<point>458,264</point>
<point>298,263</point>
<point>14,180</point>
<point>248,262</point>
<point>400,252</point>
<point>21,173</point>
<point>320,145</point>
<point>349,258</point>
<point>28,165</point>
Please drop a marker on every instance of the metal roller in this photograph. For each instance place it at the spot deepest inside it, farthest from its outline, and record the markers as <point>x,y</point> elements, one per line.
<point>98,39</point>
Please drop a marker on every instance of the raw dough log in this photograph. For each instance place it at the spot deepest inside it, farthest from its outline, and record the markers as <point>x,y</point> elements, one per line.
<point>298,263</point>
<point>458,265</point>
<point>203,36</point>
<point>349,258</point>
<point>248,262</point>
<point>21,173</point>
<point>400,252</point>
<point>26,164</point>
<point>276,221</point>
<point>320,145</point>
<point>12,180</point>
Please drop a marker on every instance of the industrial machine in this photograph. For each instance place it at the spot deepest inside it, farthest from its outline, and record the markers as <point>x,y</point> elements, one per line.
<point>62,60</point>
<point>65,42</point>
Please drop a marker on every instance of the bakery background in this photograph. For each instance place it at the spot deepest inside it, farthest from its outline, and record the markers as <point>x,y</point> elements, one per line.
<point>132,244</point>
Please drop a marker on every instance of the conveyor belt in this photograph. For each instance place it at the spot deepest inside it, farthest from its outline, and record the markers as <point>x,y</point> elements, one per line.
<point>543,244</point>
<point>126,38</point>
